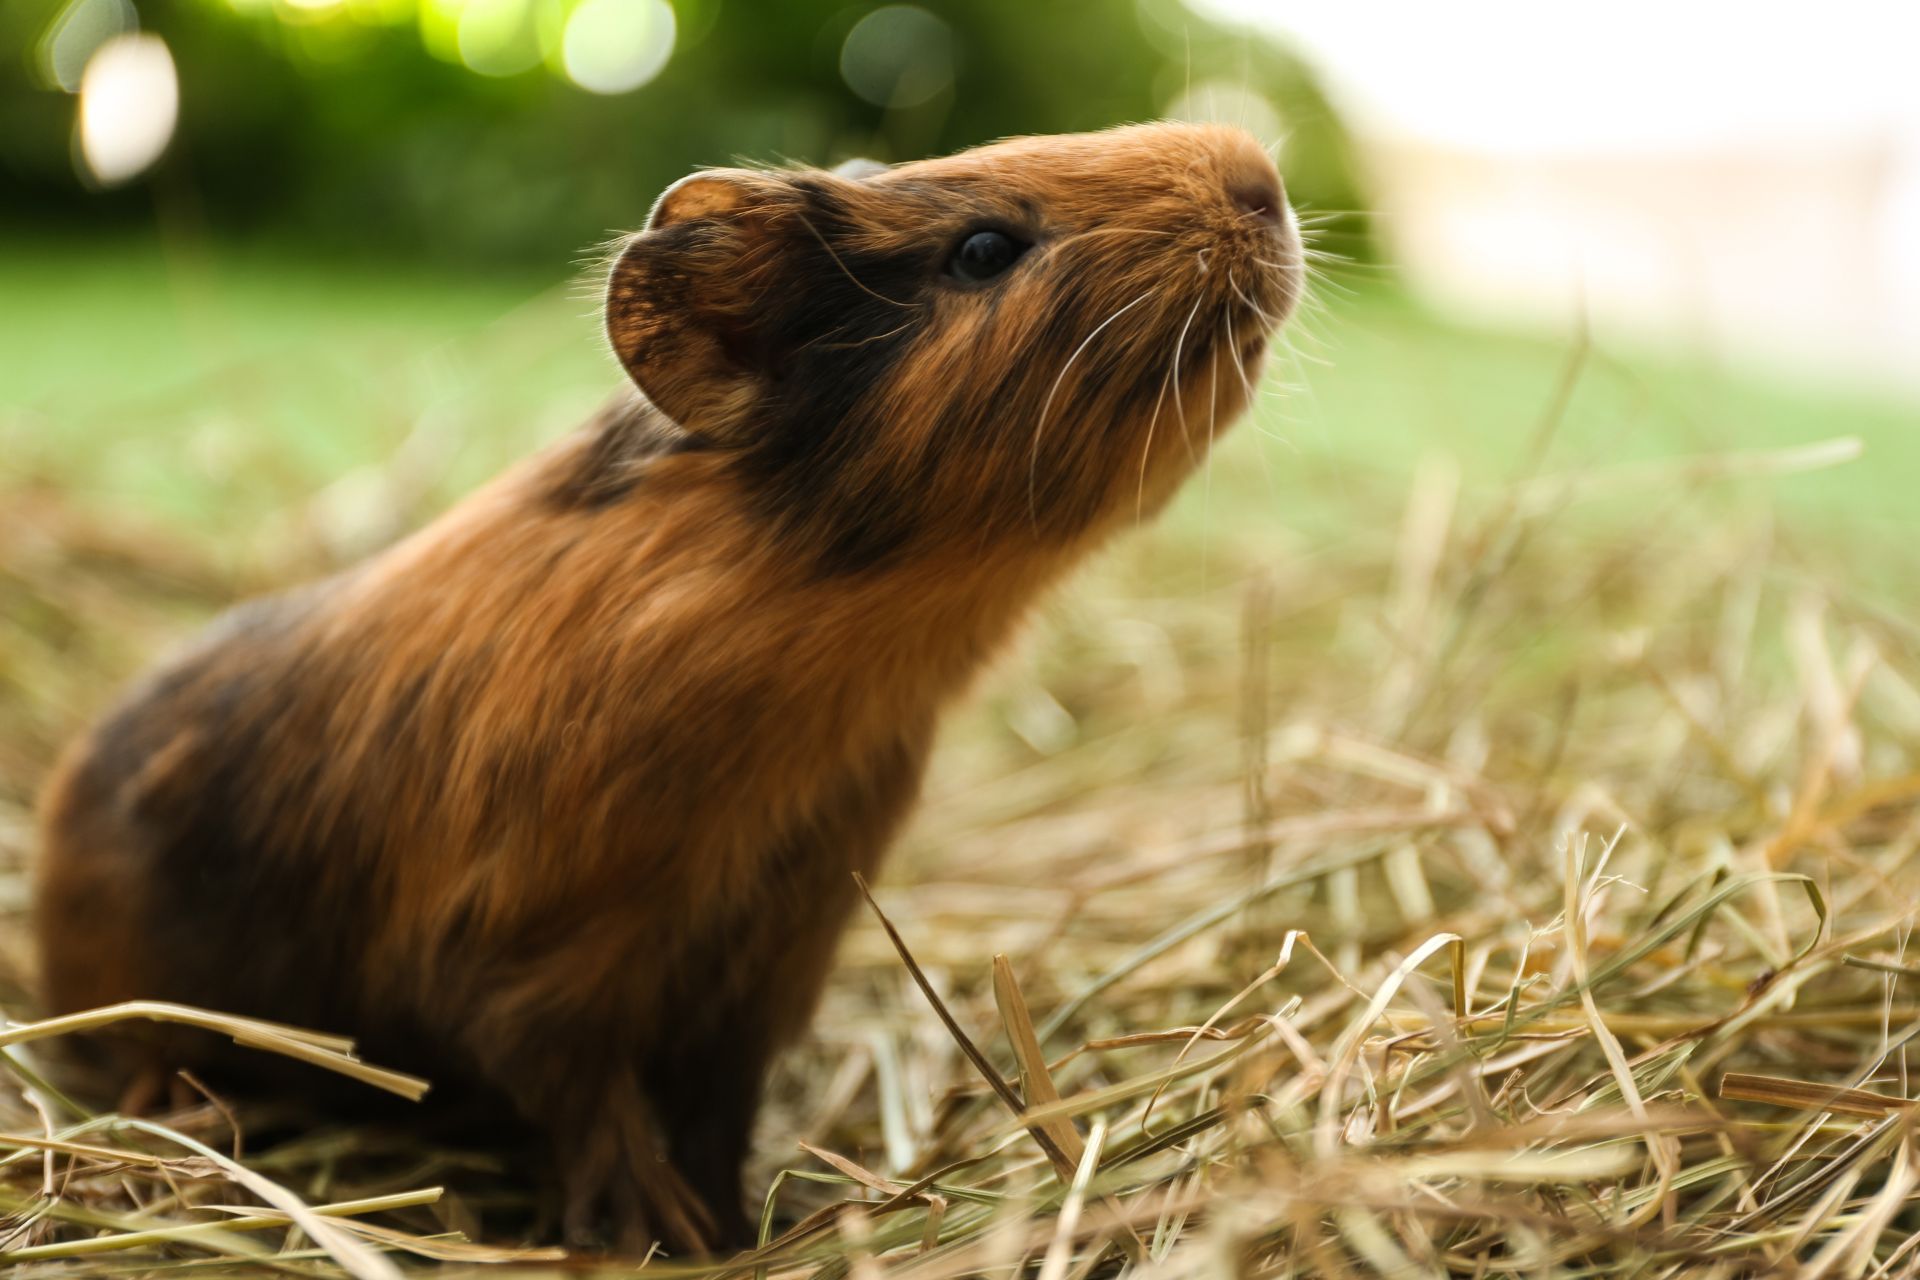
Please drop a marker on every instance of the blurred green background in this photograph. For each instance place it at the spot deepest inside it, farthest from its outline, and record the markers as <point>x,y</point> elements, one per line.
<point>469,132</point>
<point>346,280</point>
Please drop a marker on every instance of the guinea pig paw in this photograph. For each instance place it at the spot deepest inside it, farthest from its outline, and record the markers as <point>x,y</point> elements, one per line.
<point>624,1202</point>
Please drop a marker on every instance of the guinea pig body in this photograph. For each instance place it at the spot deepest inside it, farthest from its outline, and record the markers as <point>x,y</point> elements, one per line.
<point>563,795</point>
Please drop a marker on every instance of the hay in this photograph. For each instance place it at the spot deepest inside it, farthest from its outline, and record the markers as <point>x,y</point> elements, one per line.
<point>1525,892</point>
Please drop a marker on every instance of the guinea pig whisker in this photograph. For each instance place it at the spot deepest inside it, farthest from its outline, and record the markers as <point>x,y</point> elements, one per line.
<point>1290,346</point>
<point>1316,254</point>
<point>1253,399</point>
<point>1312,252</point>
<point>819,344</point>
<point>1206,479</point>
<point>1179,406</point>
<point>1171,377</point>
<point>1316,263</point>
<point>1033,458</point>
<point>1318,276</point>
<point>1146,448</point>
<point>1312,275</point>
<point>1297,353</point>
<point>1319,217</point>
<point>1258,310</point>
<point>1334,286</point>
<point>858,283</point>
<point>1314,300</point>
<point>1305,333</point>
<point>1233,345</point>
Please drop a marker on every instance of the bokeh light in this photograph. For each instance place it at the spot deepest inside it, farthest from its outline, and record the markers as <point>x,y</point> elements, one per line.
<point>504,37</point>
<point>73,36</point>
<point>898,56</point>
<point>129,102</point>
<point>615,46</point>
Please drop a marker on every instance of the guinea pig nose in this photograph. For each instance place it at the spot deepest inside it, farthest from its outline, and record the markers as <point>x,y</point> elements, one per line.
<point>1257,194</point>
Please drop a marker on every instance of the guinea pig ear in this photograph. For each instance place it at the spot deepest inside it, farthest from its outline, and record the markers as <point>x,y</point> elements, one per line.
<point>680,298</point>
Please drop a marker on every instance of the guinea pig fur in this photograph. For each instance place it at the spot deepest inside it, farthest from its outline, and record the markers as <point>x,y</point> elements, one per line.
<point>560,799</point>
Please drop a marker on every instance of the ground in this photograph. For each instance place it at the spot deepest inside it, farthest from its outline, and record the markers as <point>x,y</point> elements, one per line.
<point>1484,810</point>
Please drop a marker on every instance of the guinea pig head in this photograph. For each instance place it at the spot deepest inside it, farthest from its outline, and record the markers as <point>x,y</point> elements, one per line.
<point>1026,340</point>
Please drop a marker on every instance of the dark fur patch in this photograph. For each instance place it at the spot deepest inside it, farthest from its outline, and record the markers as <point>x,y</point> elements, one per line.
<point>832,342</point>
<point>620,440</point>
<point>225,864</point>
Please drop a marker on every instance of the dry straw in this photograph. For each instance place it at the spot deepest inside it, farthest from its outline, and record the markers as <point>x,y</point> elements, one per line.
<point>1527,893</point>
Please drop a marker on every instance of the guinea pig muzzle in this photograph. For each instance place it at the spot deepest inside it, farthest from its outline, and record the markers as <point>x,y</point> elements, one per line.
<point>1263,235</point>
<point>1274,271</point>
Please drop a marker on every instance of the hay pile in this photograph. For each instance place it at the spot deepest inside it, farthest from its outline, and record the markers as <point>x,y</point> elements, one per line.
<point>1509,891</point>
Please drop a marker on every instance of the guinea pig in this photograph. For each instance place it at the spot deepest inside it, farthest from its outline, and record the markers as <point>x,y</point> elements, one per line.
<point>561,798</point>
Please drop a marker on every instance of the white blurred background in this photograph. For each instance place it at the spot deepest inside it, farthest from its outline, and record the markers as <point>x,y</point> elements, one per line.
<point>1740,178</point>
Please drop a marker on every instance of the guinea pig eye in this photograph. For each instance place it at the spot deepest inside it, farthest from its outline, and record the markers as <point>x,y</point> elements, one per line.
<point>984,255</point>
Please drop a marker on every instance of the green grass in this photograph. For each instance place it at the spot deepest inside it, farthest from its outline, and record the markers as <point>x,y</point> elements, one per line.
<point>1402,384</point>
<point>209,386</point>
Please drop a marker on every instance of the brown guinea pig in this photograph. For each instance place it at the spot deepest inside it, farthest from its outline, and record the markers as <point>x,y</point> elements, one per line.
<point>561,797</point>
